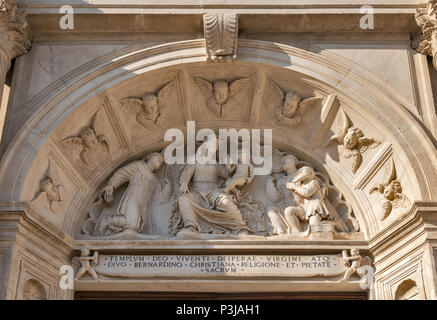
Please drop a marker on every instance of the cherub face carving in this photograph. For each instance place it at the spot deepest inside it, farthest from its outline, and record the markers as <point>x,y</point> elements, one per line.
<point>291,102</point>
<point>392,190</point>
<point>351,138</point>
<point>49,189</point>
<point>88,137</point>
<point>150,102</point>
<point>221,91</point>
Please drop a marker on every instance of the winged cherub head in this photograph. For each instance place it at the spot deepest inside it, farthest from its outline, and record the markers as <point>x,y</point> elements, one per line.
<point>352,137</point>
<point>392,190</point>
<point>88,137</point>
<point>150,102</point>
<point>291,103</point>
<point>221,91</point>
<point>48,187</point>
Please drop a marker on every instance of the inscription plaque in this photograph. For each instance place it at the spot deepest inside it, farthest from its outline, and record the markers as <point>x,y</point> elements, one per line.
<point>142,266</point>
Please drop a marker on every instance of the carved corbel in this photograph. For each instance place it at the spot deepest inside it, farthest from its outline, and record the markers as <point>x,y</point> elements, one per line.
<point>425,42</point>
<point>221,36</point>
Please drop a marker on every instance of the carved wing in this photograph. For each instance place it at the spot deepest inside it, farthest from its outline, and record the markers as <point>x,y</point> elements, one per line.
<point>389,176</point>
<point>279,91</point>
<point>308,103</point>
<point>73,144</point>
<point>364,143</point>
<point>134,105</point>
<point>341,129</point>
<point>390,173</point>
<point>358,158</point>
<point>53,173</point>
<point>204,86</point>
<point>235,90</point>
<point>99,121</point>
<point>165,93</point>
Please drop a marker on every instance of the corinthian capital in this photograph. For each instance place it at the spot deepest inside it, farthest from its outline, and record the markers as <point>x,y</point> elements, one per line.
<point>14,40</point>
<point>426,41</point>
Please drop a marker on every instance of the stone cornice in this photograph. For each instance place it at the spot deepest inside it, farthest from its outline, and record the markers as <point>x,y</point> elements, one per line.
<point>18,217</point>
<point>194,6</point>
<point>14,39</point>
<point>419,221</point>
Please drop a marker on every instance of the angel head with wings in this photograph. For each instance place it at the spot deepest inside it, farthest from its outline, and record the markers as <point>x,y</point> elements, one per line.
<point>91,144</point>
<point>289,113</point>
<point>353,140</point>
<point>150,107</point>
<point>51,189</point>
<point>220,94</point>
<point>391,193</point>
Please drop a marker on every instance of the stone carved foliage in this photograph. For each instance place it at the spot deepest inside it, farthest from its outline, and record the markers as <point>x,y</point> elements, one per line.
<point>51,192</point>
<point>13,28</point>
<point>149,108</point>
<point>390,191</point>
<point>221,36</point>
<point>91,145</point>
<point>221,95</point>
<point>293,107</point>
<point>356,263</point>
<point>85,263</point>
<point>353,141</point>
<point>426,41</point>
<point>150,199</point>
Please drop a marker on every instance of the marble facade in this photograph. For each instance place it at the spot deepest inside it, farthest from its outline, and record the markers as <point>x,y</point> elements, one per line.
<point>349,205</point>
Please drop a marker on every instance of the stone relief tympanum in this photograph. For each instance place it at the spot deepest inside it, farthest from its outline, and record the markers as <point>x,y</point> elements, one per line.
<point>151,199</point>
<point>293,107</point>
<point>151,108</point>
<point>221,95</point>
<point>91,146</point>
<point>353,141</point>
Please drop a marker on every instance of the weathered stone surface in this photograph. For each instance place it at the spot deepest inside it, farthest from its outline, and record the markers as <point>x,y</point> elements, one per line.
<point>84,183</point>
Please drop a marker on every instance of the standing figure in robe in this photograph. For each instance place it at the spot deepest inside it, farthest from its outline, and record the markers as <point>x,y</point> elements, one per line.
<point>134,209</point>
